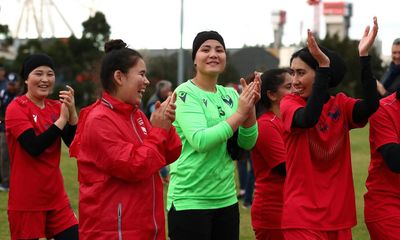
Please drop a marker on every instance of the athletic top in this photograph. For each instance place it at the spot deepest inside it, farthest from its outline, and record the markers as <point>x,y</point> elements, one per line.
<point>268,153</point>
<point>203,176</point>
<point>319,191</point>
<point>36,183</point>
<point>383,197</point>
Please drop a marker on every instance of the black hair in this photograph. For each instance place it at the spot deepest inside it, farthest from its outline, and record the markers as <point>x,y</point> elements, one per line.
<point>118,57</point>
<point>270,81</point>
<point>337,65</point>
<point>305,55</point>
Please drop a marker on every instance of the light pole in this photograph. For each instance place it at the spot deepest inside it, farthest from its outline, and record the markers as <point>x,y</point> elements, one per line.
<point>180,52</point>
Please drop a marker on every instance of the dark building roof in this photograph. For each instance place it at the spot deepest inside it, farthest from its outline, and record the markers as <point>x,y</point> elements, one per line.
<point>249,59</point>
<point>244,60</point>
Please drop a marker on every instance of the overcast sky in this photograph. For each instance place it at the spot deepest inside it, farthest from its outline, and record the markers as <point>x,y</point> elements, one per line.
<point>156,23</point>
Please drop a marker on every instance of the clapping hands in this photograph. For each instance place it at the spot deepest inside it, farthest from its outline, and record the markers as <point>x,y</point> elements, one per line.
<point>164,113</point>
<point>368,39</point>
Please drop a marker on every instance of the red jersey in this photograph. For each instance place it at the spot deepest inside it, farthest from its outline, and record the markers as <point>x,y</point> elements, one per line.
<point>36,183</point>
<point>383,197</point>
<point>119,157</point>
<point>319,191</point>
<point>269,152</point>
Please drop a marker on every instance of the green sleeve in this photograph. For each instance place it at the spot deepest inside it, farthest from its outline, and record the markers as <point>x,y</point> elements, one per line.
<point>193,123</point>
<point>248,137</point>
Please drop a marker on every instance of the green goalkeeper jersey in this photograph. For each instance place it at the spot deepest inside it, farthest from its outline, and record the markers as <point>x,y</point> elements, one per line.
<point>203,176</point>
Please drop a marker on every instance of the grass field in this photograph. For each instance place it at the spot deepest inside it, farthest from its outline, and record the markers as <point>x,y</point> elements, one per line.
<point>360,158</point>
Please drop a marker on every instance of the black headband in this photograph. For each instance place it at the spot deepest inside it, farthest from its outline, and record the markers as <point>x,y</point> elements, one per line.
<point>33,61</point>
<point>204,36</point>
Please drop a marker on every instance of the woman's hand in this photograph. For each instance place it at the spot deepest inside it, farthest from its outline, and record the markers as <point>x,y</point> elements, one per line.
<point>319,56</point>
<point>249,96</point>
<point>67,98</point>
<point>170,107</point>
<point>63,118</point>
<point>164,113</point>
<point>368,39</point>
<point>257,82</point>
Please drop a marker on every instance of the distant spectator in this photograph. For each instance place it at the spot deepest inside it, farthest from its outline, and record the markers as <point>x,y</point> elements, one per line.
<point>3,77</point>
<point>246,178</point>
<point>391,79</point>
<point>244,163</point>
<point>163,88</point>
<point>6,96</point>
<point>3,179</point>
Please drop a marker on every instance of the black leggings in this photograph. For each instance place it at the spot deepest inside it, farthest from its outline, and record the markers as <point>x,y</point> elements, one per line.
<point>70,233</point>
<point>210,224</point>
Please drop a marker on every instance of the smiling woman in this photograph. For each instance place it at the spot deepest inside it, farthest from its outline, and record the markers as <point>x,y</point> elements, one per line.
<point>202,199</point>
<point>316,129</point>
<point>120,152</point>
<point>38,205</point>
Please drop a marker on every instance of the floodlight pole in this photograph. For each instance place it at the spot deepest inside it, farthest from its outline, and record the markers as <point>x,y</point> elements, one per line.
<point>180,52</point>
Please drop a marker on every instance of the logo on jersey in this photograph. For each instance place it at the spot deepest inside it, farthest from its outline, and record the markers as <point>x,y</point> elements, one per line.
<point>34,117</point>
<point>220,111</point>
<point>141,124</point>
<point>182,95</point>
<point>334,114</point>
<point>322,126</point>
<point>205,102</point>
<point>228,100</point>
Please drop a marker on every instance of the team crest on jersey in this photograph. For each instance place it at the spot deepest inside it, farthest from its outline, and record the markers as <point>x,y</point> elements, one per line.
<point>228,100</point>
<point>53,117</point>
<point>141,124</point>
<point>205,102</point>
<point>34,117</point>
<point>182,95</point>
<point>322,126</point>
<point>334,114</point>
<point>220,111</point>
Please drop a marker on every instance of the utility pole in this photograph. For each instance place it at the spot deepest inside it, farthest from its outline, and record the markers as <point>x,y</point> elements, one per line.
<point>180,52</point>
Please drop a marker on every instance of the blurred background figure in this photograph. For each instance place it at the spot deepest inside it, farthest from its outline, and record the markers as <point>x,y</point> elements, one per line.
<point>244,164</point>
<point>3,77</point>
<point>6,96</point>
<point>391,79</point>
<point>246,179</point>
<point>163,88</point>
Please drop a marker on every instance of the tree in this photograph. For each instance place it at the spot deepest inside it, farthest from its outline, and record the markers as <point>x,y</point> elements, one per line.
<point>31,46</point>
<point>87,53</point>
<point>6,39</point>
<point>163,67</point>
<point>348,49</point>
<point>97,30</point>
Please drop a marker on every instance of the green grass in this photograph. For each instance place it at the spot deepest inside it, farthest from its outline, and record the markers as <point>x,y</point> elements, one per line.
<point>360,158</point>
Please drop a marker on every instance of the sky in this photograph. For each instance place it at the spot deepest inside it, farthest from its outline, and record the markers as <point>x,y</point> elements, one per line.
<point>155,24</point>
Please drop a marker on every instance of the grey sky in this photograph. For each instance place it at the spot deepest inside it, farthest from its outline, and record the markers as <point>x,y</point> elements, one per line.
<point>155,23</point>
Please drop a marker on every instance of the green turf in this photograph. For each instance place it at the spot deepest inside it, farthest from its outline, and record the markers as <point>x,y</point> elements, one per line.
<point>360,158</point>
